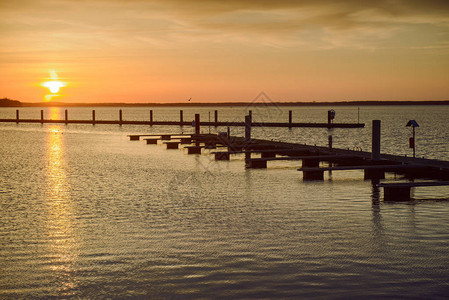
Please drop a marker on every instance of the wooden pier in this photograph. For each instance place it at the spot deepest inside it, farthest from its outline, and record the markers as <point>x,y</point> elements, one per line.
<point>311,156</point>
<point>373,164</point>
<point>180,122</point>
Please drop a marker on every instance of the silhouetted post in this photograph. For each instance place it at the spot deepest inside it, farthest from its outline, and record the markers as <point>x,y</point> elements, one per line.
<point>93,116</point>
<point>247,138</point>
<point>330,117</point>
<point>17,116</point>
<point>42,116</point>
<point>375,152</point>
<point>151,116</point>
<point>66,116</point>
<point>120,116</point>
<point>197,124</point>
<point>290,118</point>
<point>216,117</point>
<point>330,142</point>
<point>250,113</point>
<point>181,117</point>
<point>229,132</point>
<point>248,129</point>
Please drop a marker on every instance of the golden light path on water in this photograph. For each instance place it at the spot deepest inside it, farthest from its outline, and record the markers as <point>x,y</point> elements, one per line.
<point>62,242</point>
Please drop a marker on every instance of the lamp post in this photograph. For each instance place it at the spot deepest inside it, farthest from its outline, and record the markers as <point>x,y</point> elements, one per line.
<point>413,124</point>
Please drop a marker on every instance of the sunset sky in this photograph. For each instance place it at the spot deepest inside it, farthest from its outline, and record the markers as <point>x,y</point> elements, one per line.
<point>207,50</point>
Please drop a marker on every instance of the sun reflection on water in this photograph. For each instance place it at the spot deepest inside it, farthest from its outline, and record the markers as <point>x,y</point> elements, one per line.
<point>61,235</point>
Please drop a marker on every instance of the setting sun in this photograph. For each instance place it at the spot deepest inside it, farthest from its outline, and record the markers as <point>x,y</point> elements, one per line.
<point>53,86</point>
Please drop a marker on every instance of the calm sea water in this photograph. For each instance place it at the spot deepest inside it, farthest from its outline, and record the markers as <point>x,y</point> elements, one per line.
<point>84,212</point>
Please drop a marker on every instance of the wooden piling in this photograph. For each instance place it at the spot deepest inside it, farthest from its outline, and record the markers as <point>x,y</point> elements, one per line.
<point>197,124</point>
<point>120,117</point>
<point>290,118</point>
<point>312,175</point>
<point>248,121</point>
<point>375,152</point>
<point>17,116</point>
<point>216,117</point>
<point>93,116</point>
<point>151,116</point>
<point>42,116</point>
<point>66,115</point>
<point>181,118</point>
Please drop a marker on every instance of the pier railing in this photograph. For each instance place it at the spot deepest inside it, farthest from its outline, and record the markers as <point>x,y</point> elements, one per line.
<point>180,122</point>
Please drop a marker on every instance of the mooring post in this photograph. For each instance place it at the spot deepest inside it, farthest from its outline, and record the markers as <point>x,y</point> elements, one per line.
<point>120,115</point>
<point>248,122</point>
<point>151,116</point>
<point>17,116</point>
<point>66,116</point>
<point>197,124</point>
<point>42,116</point>
<point>216,117</point>
<point>250,113</point>
<point>375,152</point>
<point>290,119</point>
<point>229,132</point>
<point>181,118</point>
<point>93,116</point>
<point>330,142</point>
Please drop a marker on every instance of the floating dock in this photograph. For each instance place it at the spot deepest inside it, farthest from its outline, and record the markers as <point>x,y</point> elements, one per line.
<point>374,164</point>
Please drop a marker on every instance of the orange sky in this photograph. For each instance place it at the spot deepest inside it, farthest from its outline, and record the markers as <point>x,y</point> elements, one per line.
<point>171,50</point>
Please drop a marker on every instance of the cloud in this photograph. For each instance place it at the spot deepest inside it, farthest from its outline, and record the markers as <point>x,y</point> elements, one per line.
<point>165,23</point>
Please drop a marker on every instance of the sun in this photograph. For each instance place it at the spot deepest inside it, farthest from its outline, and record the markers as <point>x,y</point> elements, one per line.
<point>54,84</point>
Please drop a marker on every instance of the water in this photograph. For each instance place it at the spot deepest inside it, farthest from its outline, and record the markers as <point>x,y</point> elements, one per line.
<point>87,213</point>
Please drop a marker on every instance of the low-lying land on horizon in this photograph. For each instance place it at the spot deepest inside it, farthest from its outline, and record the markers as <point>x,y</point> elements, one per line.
<point>5,102</point>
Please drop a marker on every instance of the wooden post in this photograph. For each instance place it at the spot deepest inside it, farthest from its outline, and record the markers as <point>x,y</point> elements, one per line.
<point>197,124</point>
<point>93,116</point>
<point>151,116</point>
<point>229,132</point>
<point>216,117</point>
<point>248,122</point>
<point>66,116</point>
<point>248,129</point>
<point>290,118</point>
<point>375,152</point>
<point>180,116</point>
<point>17,116</point>
<point>120,115</point>
<point>250,113</point>
<point>42,116</point>
<point>330,142</point>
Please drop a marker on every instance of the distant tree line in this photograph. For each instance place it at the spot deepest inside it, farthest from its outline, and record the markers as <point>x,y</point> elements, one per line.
<point>9,102</point>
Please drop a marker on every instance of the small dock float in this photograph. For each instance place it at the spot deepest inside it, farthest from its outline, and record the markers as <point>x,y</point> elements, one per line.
<point>165,136</point>
<point>262,162</point>
<point>172,145</point>
<point>152,141</point>
<point>400,191</point>
<point>371,171</point>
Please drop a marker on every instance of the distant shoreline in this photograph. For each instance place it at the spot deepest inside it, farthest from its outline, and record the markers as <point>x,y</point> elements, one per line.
<point>15,103</point>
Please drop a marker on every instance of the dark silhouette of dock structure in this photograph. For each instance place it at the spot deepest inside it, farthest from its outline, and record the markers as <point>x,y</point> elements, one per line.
<point>180,122</point>
<point>373,164</point>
